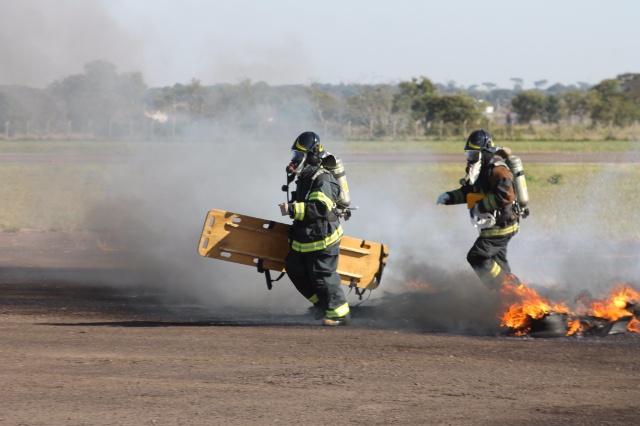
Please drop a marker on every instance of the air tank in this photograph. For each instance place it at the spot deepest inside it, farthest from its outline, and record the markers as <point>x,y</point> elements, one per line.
<point>515,165</point>
<point>336,167</point>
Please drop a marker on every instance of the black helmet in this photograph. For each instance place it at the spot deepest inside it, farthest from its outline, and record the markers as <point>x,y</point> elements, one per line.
<point>309,143</point>
<point>305,149</point>
<point>479,143</point>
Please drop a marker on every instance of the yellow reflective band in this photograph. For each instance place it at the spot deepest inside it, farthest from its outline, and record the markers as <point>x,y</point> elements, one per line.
<point>300,147</point>
<point>322,197</point>
<point>314,299</point>
<point>318,245</point>
<point>340,311</point>
<point>473,146</point>
<point>494,272</point>
<point>499,232</point>
<point>299,211</point>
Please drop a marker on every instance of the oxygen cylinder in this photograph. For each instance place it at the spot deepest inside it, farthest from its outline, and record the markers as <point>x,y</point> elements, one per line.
<point>515,165</point>
<point>336,167</point>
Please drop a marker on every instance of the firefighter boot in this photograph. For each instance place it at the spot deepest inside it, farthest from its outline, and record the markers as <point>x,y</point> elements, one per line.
<point>345,320</point>
<point>320,312</point>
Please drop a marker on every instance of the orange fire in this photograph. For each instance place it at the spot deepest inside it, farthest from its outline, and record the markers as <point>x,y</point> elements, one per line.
<point>523,305</point>
<point>426,287</point>
<point>615,306</point>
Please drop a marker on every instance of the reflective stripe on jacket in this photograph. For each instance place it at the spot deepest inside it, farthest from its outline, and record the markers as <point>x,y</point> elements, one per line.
<point>315,226</point>
<point>496,181</point>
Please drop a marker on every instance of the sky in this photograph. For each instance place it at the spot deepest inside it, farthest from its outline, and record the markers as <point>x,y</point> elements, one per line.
<point>322,41</point>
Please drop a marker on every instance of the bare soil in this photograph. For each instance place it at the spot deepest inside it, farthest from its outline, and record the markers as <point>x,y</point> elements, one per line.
<point>77,351</point>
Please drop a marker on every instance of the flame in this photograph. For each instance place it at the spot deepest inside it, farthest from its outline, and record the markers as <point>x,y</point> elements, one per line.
<point>524,305</point>
<point>422,286</point>
<point>617,305</point>
<point>574,326</point>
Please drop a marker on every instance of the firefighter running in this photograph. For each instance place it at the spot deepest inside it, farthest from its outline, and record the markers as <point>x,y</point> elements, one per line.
<point>314,239</point>
<point>489,192</point>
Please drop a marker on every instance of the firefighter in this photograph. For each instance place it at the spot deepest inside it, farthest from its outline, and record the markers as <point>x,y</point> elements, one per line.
<point>496,214</point>
<point>314,238</point>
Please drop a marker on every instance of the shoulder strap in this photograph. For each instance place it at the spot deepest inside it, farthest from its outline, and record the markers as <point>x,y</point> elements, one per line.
<point>318,172</point>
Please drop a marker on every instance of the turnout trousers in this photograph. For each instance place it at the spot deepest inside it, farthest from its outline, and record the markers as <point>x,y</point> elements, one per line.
<point>488,258</point>
<point>314,276</point>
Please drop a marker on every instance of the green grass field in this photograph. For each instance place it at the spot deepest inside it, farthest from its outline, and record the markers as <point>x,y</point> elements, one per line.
<point>53,196</point>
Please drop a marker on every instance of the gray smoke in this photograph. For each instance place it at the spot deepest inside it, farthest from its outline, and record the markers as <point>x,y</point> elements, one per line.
<point>158,203</point>
<point>155,203</point>
<point>43,41</point>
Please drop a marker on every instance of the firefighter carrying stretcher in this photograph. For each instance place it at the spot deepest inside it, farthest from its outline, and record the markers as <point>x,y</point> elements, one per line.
<point>488,189</point>
<point>314,238</point>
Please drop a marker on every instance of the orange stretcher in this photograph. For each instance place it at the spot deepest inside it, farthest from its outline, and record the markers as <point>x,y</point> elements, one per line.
<point>264,244</point>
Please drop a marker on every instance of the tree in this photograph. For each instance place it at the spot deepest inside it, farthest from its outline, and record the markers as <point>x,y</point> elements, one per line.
<point>328,106</point>
<point>611,102</point>
<point>553,109</point>
<point>557,89</point>
<point>372,107</point>
<point>529,105</point>
<point>603,101</point>
<point>489,86</point>
<point>187,99</point>
<point>576,103</point>
<point>517,83</point>
<point>630,86</point>
<point>540,84</point>
<point>455,109</point>
<point>100,95</point>
<point>414,98</point>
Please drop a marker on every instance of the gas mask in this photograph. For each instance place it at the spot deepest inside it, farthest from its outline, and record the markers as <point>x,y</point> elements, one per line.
<point>296,164</point>
<point>474,165</point>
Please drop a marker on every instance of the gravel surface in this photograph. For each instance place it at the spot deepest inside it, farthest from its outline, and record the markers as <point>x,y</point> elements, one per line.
<point>75,350</point>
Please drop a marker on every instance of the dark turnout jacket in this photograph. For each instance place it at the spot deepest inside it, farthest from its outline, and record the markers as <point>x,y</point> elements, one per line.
<point>315,223</point>
<point>495,182</point>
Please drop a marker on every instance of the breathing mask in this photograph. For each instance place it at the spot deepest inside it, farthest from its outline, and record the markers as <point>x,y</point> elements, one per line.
<point>296,164</point>
<point>473,164</point>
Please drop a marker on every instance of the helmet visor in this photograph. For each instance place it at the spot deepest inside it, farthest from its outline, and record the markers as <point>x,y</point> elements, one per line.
<point>472,155</point>
<point>297,157</point>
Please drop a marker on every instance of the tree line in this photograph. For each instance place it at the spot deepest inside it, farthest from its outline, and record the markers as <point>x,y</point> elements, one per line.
<point>102,103</point>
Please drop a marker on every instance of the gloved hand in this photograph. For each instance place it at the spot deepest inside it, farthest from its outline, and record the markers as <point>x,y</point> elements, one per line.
<point>443,198</point>
<point>284,209</point>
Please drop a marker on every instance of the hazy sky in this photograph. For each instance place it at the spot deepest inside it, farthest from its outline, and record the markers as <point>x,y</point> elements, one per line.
<point>326,41</point>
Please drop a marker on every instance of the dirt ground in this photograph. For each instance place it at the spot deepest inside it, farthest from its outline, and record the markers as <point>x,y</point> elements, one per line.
<point>76,351</point>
